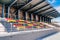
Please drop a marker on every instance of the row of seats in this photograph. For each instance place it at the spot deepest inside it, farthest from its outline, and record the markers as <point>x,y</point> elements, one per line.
<point>24,24</point>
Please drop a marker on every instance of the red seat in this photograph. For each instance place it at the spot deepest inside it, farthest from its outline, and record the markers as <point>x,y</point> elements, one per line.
<point>28,27</point>
<point>17,25</point>
<point>9,19</point>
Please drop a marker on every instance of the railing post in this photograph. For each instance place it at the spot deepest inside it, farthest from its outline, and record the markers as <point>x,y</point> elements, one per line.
<point>11,26</point>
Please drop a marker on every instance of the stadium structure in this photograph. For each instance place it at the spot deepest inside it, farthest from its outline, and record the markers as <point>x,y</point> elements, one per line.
<point>26,19</point>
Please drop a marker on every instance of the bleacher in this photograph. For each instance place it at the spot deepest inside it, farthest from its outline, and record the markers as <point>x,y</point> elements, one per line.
<point>25,24</point>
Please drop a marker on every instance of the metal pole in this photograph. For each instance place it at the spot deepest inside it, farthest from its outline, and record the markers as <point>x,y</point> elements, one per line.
<point>11,26</point>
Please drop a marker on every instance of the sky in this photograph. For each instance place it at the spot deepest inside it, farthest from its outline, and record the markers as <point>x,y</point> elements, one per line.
<point>56,5</point>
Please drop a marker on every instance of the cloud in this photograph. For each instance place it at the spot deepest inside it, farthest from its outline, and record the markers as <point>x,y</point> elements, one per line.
<point>52,1</point>
<point>58,8</point>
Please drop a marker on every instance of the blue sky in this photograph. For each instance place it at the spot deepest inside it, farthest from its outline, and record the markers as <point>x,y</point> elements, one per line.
<point>56,5</point>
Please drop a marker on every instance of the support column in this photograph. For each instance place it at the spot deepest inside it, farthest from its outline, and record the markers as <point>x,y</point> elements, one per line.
<point>49,20</point>
<point>37,18</point>
<point>46,19</point>
<point>43,19</point>
<point>26,15</point>
<point>32,17</point>
<point>8,12</point>
<point>18,14</point>
<point>3,8</point>
<point>40,18</point>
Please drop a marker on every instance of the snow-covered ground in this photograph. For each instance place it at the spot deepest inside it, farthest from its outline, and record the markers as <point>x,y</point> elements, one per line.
<point>2,28</point>
<point>53,37</point>
<point>57,24</point>
<point>26,35</point>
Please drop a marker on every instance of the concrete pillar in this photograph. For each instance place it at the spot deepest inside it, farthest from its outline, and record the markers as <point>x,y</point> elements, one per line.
<point>46,19</point>
<point>49,20</point>
<point>3,8</point>
<point>27,16</point>
<point>24,18</point>
<point>18,14</point>
<point>40,18</point>
<point>32,18</point>
<point>43,19</point>
<point>37,18</point>
<point>8,12</point>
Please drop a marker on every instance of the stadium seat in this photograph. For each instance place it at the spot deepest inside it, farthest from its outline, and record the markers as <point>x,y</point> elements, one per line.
<point>10,20</point>
<point>16,25</point>
<point>28,27</point>
<point>24,24</point>
<point>20,27</point>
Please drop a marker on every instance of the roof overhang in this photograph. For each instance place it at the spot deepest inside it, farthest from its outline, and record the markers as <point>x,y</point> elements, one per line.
<point>36,7</point>
<point>41,7</point>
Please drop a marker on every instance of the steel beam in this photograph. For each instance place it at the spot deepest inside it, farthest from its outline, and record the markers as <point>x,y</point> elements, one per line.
<point>35,5</point>
<point>40,8</point>
<point>43,10</point>
<point>13,3</point>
